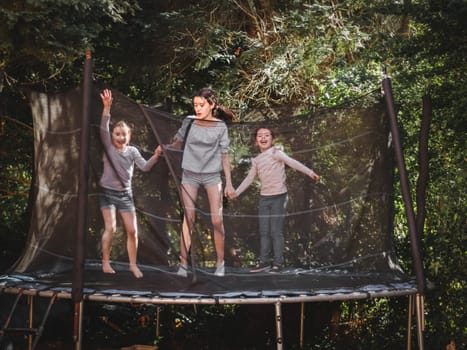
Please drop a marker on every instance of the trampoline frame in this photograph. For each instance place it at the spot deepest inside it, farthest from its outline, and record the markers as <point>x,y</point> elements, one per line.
<point>415,305</point>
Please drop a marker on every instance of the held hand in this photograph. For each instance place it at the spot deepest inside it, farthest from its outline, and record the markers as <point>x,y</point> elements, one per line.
<point>229,191</point>
<point>158,150</point>
<point>233,195</point>
<point>176,144</point>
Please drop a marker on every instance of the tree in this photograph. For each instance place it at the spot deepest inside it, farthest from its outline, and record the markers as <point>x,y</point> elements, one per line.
<point>282,57</point>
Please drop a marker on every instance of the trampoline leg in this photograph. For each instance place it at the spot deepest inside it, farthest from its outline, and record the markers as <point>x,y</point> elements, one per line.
<point>40,329</point>
<point>33,334</point>
<point>158,314</point>
<point>77,324</point>
<point>302,317</point>
<point>419,303</point>
<point>31,322</point>
<point>279,339</point>
<point>409,323</point>
<point>10,315</point>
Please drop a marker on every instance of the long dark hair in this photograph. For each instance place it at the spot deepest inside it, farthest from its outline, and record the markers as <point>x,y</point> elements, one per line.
<point>219,111</point>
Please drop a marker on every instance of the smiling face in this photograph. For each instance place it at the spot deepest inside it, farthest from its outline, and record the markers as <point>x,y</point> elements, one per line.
<point>264,139</point>
<point>203,109</point>
<point>121,136</point>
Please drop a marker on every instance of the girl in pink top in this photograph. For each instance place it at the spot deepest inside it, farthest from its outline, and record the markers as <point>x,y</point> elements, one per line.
<point>269,167</point>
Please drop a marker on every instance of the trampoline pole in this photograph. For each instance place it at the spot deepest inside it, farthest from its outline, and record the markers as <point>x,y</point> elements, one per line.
<point>408,205</point>
<point>279,339</point>
<point>179,189</point>
<point>409,212</point>
<point>82,221</point>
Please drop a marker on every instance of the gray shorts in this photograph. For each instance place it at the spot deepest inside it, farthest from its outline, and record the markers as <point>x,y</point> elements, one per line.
<point>120,200</point>
<point>201,179</point>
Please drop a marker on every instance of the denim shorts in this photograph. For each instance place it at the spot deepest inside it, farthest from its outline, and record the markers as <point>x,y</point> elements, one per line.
<point>120,200</point>
<point>198,179</point>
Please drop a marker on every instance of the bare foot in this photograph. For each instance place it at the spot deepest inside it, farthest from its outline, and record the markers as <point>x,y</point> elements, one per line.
<point>106,268</point>
<point>136,271</point>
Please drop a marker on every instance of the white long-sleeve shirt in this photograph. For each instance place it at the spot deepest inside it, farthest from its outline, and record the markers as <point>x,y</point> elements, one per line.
<point>204,145</point>
<point>269,166</point>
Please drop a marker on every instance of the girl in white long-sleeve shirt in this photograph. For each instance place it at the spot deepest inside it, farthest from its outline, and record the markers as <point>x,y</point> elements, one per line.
<point>269,167</point>
<point>205,155</point>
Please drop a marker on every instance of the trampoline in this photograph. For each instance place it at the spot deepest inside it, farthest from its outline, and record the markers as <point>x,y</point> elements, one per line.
<point>338,232</point>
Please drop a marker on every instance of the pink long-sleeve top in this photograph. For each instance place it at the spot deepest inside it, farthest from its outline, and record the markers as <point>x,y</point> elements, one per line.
<point>269,166</point>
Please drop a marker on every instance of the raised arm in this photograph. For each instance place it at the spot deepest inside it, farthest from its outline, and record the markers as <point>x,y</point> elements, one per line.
<point>106,97</point>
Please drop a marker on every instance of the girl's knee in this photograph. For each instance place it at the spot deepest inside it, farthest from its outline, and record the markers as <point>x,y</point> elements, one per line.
<point>217,222</point>
<point>133,233</point>
<point>189,215</point>
<point>110,230</point>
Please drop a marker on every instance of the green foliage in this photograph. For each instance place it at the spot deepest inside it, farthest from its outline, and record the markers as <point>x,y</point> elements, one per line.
<point>275,54</point>
<point>40,41</point>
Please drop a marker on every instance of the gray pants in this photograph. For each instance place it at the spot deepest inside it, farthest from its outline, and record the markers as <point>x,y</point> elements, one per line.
<point>271,212</point>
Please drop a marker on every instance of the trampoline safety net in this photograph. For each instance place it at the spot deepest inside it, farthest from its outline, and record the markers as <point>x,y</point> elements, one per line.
<point>338,232</point>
